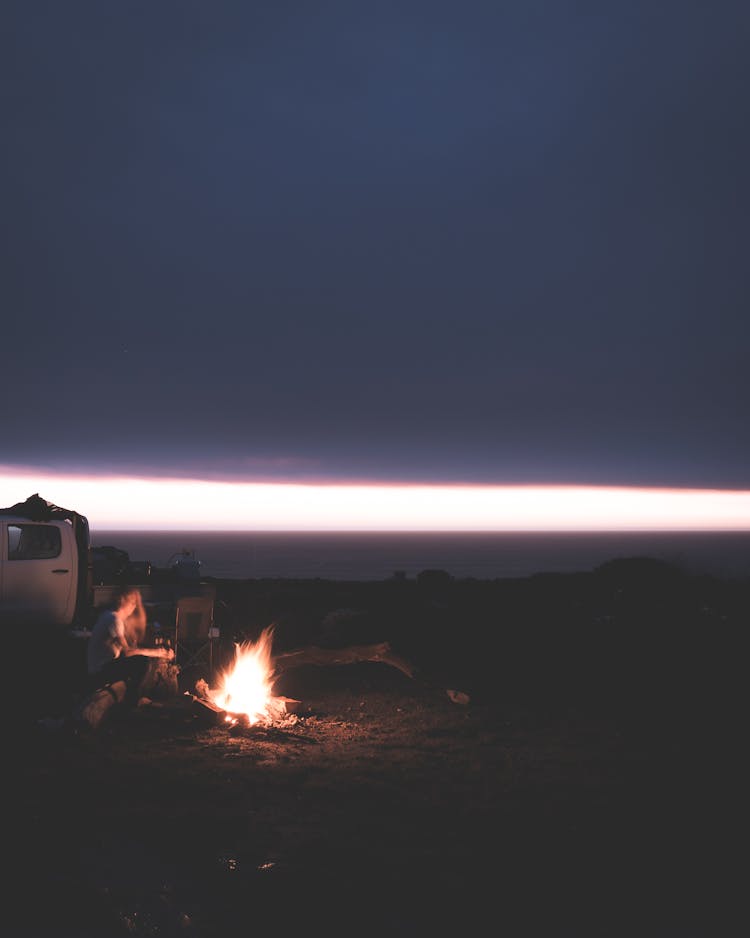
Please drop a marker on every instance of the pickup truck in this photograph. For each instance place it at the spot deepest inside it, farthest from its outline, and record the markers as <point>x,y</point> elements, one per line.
<point>47,570</point>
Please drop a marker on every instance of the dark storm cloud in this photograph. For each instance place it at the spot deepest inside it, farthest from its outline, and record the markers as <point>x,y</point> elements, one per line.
<point>469,241</point>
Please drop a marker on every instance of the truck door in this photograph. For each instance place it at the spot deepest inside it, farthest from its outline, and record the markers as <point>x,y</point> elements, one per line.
<point>39,572</point>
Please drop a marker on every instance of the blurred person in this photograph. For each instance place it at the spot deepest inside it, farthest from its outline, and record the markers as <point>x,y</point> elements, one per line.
<point>115,652</point>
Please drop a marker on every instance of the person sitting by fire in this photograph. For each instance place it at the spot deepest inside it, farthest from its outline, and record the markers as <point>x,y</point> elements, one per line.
<point>115,652</point>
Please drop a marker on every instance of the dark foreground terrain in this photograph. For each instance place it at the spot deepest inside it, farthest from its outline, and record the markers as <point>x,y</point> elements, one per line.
<point>587,787</point>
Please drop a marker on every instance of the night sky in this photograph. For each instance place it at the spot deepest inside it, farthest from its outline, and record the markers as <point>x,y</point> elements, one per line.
<point>498,242</point>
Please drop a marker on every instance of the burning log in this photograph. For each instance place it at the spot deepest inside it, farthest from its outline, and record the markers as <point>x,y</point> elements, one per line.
<point>280,707</point>
<point>207,711</point>
<point>276,708</point>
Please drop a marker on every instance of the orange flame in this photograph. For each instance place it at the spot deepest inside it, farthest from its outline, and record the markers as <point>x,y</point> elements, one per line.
<point>246,687</point>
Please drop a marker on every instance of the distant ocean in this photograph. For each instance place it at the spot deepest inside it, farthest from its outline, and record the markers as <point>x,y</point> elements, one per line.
<point>378,556</point>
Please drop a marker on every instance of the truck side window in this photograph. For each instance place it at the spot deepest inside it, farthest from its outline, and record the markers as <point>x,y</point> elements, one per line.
<point>33,542</point>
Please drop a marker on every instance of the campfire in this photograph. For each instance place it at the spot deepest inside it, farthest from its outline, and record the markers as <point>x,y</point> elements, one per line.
<point>244,692</point>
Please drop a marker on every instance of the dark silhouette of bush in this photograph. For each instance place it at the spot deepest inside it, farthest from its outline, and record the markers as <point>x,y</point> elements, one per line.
<point>433,578</point>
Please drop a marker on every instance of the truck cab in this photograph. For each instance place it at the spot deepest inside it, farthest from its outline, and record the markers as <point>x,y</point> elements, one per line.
<point>38,571</point>
<point>44,564</point>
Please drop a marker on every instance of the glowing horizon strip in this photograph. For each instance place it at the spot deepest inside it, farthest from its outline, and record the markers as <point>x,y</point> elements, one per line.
<point>130,503</point>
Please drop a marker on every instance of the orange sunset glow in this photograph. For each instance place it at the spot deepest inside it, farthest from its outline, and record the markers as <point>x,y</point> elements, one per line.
<point>178,504</point>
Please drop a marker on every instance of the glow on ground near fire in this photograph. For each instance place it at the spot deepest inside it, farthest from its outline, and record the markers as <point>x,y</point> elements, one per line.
<point>112,503</point>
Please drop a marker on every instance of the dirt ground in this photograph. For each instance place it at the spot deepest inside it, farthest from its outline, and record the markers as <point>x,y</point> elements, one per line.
<point>384,808</point>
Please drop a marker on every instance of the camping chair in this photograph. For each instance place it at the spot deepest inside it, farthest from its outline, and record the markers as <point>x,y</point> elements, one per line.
<point>194,631</point>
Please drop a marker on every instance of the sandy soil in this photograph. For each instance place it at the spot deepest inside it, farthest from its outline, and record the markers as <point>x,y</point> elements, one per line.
<point>600,807</point>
